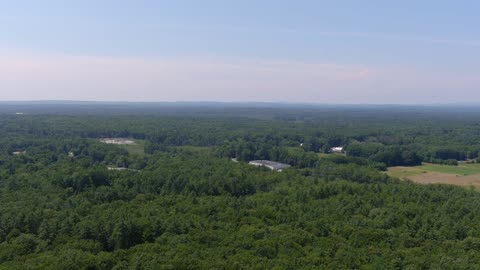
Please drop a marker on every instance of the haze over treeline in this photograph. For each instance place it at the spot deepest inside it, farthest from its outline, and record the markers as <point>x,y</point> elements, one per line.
<point>247,134</point>
<point>133,186</point>
<point>270,51</point>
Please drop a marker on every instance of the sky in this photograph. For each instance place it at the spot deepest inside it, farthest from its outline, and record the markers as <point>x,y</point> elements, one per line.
<point>339,52</point>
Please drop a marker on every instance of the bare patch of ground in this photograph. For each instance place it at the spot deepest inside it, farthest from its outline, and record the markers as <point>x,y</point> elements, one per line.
<point>445,178</point>
<point>465,175</point>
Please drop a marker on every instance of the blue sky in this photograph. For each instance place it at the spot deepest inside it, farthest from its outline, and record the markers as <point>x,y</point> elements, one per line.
<point>294,51</point>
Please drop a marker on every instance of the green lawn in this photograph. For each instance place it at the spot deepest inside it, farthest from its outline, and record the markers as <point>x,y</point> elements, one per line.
<point>404,172</point>
<point>461,169</point>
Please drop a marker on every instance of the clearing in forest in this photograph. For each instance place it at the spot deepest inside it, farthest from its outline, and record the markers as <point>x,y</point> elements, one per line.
<point>133,146</point>
<point>445,178</point>
<point>465,174</point>
<point>119,141</point>
<point>138,148</point>
<point>463,169</point>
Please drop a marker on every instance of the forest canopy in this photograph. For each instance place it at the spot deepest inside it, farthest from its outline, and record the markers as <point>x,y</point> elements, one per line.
<point>176,200</point>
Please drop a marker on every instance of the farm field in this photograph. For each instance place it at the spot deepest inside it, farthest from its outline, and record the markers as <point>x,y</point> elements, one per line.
<point>404,172</point>
<point>445,178</point>
<point>462,175</point>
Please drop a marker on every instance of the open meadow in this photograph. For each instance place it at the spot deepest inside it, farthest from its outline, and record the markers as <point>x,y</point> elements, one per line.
<point>465,174</point>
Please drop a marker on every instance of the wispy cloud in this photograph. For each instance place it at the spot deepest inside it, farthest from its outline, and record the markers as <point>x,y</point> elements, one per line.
<point>82,77</point>
<point>408,38</point>
<point>35,76</point>
<point>311,32</point>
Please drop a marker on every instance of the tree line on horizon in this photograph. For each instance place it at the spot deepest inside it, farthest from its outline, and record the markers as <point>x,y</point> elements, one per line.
<point>187,205</point>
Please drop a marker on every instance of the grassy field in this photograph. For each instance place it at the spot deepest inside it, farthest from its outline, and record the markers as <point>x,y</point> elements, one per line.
<point>462,169</point>
<point>446,178</point>
<point>462,175</point>
<point>404,172</point>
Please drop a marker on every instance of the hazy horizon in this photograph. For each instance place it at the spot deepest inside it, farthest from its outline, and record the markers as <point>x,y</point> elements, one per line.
<point>307,52</point>
<point>233,103</point>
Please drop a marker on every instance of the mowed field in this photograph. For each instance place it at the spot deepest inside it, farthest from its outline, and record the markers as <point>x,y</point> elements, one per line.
<point>463,175</point>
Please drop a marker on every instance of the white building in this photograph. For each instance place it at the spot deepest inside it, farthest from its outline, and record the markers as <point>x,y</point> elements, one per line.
<point>337,149</point>
<point>272,165</point>
<point>117,141</point>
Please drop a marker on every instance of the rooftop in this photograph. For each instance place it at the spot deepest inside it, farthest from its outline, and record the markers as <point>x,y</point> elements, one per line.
<point>273,165</point>
<point>117,141</point>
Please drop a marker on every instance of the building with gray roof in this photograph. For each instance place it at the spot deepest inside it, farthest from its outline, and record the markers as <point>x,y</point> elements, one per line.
<point>272,165</point>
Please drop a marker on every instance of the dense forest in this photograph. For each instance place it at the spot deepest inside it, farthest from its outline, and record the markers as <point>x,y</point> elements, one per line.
<point>180,202</point>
